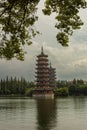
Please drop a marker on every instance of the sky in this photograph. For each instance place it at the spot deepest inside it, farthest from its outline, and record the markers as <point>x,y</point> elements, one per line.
<point>70,62</point>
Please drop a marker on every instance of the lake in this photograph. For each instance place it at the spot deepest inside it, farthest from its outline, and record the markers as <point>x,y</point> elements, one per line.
<point>43,114</point>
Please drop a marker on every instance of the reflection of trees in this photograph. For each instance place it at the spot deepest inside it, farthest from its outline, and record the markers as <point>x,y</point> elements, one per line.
<point>46,114</point>
<point>79,102</point>
<point>13,105</point>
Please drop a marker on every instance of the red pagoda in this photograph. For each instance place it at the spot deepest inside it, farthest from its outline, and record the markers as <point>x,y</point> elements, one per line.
<point>43,88</point>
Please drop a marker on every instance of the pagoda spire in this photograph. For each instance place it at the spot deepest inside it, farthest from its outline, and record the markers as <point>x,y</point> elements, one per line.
<point>42,50</point>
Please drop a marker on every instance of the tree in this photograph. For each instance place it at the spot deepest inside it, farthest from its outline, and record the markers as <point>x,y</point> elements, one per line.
<point>17,18</point>
<point>66,15</point>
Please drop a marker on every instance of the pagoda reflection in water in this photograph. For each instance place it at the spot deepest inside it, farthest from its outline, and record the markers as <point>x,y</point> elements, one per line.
<point>45,77</point>
<point>46,114</point>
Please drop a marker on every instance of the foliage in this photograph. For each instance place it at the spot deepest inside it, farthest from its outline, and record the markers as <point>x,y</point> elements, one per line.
<point>29,92</point>
<point>67,17</point>
<point>15,86</point>
<point>78,90</point>
<point>62,91</point>
<point>74,88</point>
<point>17,18</point>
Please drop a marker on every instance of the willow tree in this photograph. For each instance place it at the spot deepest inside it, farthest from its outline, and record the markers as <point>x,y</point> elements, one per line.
<point>17,19</point>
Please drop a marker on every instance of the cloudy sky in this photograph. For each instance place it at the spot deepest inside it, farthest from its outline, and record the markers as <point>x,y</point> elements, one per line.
<point>70,62</point>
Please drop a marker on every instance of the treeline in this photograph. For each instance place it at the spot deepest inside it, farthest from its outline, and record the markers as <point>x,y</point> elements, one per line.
<point>14,86</point>
<point>21,87</point>
<point>72,88</point>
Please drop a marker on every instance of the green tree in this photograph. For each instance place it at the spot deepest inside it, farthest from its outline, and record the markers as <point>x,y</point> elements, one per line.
<point>62,91</point>
<point>17,18</point>
<point>67,17</point>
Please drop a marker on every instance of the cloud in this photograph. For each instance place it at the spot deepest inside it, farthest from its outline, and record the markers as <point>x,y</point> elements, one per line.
<point>69,62</point>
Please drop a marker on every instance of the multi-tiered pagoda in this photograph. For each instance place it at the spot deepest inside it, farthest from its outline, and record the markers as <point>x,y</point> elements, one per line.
<point>42,77</point>
<point>52,77</point>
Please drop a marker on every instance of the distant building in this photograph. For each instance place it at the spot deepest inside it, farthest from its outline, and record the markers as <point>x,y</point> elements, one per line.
<point>45,77</point>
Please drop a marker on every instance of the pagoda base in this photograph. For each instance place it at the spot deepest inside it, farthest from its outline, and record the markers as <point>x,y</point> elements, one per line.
<point>43,93</point>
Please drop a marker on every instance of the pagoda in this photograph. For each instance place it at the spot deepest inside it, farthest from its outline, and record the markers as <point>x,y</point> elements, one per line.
<point>52,77</point>
<point>43,88</point>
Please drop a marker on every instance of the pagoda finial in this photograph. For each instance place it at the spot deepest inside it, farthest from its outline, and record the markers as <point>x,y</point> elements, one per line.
<point>42,50</point>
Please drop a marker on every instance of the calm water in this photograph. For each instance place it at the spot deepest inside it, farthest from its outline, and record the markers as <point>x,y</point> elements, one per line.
<point>31,114</point>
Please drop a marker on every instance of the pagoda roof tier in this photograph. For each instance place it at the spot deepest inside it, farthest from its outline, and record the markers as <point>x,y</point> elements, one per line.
<point>42,76</point>
<point>52,75</point>
<point>52,82</point>
<point>52,71</point>
<point>42,73</point>
<point>42,66</point>
<point>42,59</point>
<point>38,83</point>
<point>52,85</point>
<point>42,55</point>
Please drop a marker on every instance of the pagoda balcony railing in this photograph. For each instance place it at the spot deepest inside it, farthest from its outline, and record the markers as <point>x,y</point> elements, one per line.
<point>52,80</point>
<point>42,76</point>
<point>42,71</point>
<point>42,85</point>
<point>43,80</point>
<point>42,63</point>
<point>42,67</point>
